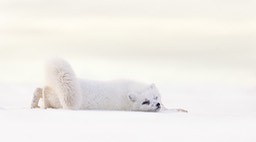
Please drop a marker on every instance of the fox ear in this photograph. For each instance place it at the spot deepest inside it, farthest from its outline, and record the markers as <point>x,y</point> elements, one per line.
<point>132,97</point>
<point>152,86</point>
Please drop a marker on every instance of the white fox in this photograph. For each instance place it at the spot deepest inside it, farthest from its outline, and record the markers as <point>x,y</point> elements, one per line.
<point>64,90</point>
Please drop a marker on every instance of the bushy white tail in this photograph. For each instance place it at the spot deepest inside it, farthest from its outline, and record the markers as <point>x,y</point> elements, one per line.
<point>62,79</point>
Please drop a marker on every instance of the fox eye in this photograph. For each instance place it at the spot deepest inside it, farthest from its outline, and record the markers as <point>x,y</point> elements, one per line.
<point>147,102</point>
<point>156,98</point>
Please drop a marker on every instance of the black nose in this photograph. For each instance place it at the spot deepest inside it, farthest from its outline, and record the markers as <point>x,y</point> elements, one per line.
<point>158,104</point>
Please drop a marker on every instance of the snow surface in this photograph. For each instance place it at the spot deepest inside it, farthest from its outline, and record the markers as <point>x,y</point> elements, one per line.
<point>200,53</point>
<point>216,113</point>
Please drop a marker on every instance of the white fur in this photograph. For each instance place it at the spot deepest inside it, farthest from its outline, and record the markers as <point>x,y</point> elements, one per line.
<point>61,78</point>
<point>64,90</point>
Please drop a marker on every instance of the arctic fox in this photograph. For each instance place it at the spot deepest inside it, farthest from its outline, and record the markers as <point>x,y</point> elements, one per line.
<point>64,90</point>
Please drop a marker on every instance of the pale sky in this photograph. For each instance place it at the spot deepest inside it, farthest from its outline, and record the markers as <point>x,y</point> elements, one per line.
<point>190,41</point>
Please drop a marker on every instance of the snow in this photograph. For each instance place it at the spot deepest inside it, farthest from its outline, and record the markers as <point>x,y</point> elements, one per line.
<point>215,114</point>
<point>200,54</point>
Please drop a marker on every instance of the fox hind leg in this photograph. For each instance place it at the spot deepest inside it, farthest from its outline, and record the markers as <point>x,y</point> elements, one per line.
<point>38,94</point>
